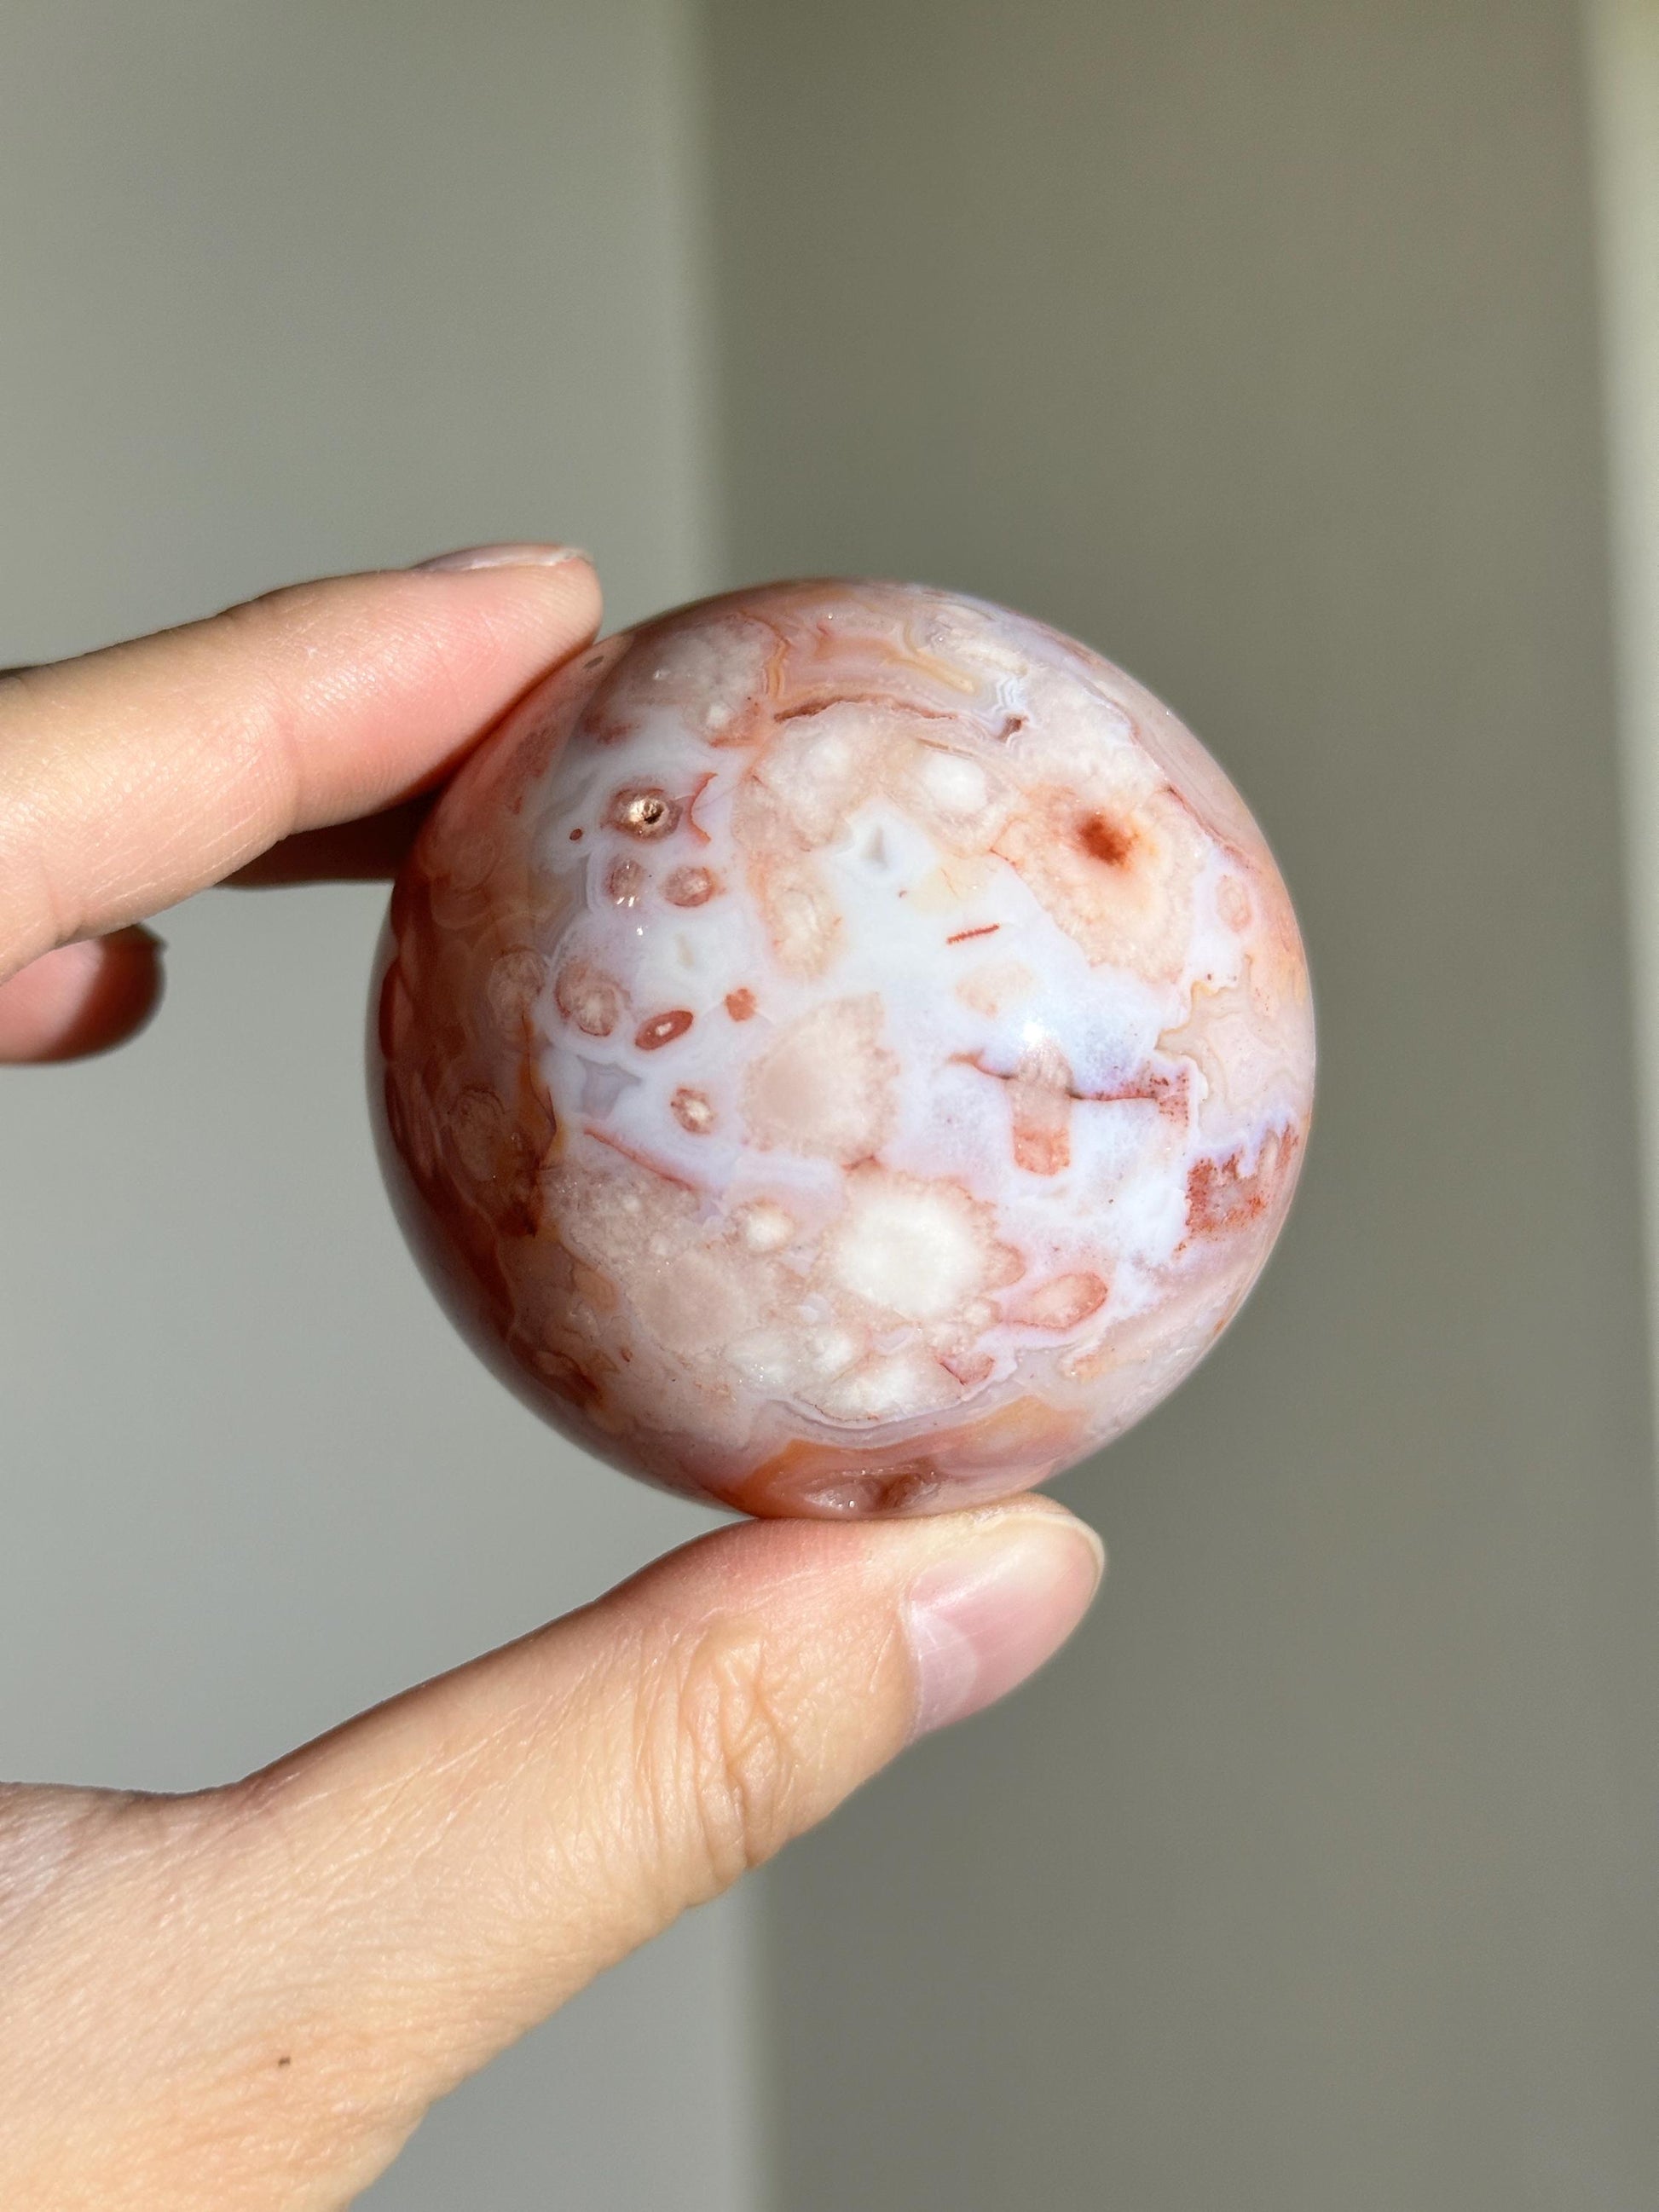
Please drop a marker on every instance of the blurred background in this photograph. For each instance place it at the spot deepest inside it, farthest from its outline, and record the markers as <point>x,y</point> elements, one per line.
<point>1303,357</point>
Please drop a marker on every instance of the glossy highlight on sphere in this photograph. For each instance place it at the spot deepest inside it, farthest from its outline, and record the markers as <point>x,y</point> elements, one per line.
<point>842,1047</point>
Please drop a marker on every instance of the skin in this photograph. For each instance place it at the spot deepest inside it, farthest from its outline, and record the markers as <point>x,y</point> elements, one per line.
<point>248,1997</point>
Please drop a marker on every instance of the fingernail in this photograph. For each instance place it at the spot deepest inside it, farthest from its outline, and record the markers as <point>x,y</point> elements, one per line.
<point>979,1625</point>
<point>506,557</point>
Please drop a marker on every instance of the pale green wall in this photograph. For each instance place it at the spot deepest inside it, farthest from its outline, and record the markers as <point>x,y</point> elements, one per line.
<point>1256,342</point>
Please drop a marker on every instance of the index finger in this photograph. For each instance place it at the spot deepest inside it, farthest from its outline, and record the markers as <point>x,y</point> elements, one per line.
<point>134,776</point>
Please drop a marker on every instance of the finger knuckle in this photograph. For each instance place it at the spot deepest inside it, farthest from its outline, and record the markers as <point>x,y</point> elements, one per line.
<point>721,1755</point>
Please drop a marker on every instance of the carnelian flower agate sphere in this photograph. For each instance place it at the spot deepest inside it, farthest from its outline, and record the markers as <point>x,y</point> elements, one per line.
<point>844,1048</point>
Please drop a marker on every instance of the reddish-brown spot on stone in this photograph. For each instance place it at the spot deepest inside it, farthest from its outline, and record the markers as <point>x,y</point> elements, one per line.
<point>641,810</point>
<point>1061,1302</point>
<point>575,836</point>
<point>1219,1199</point>
<point>662,1028</point>
<point>692,1110</point>
<point>1040,1098</point>
<point>1152,1087</point>
<point>1042,1135</point>
<point>1106,839</point>
<point>1040,1105</point>
<point>625,883</point>
<point>588,997</point>
<point>740,1005</point>
<point>691,886</point>
<point>985,929</point>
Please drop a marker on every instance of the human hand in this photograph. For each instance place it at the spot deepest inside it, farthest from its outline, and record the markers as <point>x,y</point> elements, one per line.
<point>248,1997</point>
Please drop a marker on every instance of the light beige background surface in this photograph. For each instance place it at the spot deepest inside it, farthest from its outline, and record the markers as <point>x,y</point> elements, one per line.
<point>1259,343</point>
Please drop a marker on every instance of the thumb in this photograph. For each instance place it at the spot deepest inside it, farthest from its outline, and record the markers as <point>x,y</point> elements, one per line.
<point>131,777</point>
<point>380,1913</point>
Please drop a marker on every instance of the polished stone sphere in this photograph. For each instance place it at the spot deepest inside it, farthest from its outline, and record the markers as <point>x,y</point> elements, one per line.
<point>842,1047</point>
